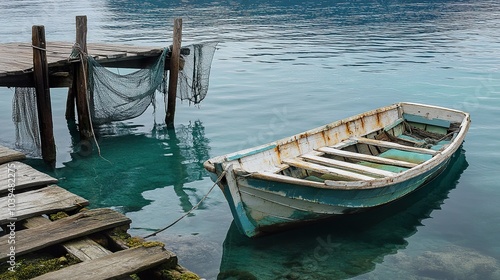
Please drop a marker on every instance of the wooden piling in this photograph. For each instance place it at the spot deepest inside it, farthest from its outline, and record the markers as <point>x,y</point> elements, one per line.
<point>70,101</point>
<point>80,81</point>
<point>174,72</point>
<point>42,87</point>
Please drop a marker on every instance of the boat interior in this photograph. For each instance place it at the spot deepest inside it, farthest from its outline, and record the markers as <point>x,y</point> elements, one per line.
<point>386,152</point>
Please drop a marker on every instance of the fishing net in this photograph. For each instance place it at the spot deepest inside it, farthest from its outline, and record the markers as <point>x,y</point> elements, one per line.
<point>25,118</point>
<point>194,77</point>
<point>117,97</point>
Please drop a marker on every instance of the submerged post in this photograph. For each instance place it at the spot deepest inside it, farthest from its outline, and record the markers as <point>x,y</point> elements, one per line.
<point>80,80</point>
<point>174,72</point>
<point>70,102</point>
<point>42,88</point>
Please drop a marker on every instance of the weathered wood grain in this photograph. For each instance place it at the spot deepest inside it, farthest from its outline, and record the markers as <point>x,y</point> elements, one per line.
<point>83,249</point>
<point>47,200</point>
<point>116,265</point>
<point>19,56</point>
<point>347,165</point>
<point>327,170</point>
<point>42,87</point>
<point>7,154</point>
<point>69,228</point>
<point>25,176</point>
<point>370,158</point>
<point>391,145</point>
<point>173,76</point>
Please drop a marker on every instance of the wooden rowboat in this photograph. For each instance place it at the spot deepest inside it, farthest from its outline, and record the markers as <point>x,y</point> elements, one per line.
<point>343,167</point>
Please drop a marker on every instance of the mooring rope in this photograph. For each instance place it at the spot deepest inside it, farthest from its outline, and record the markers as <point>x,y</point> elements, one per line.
<point>192,209</point>
<point>38,48</point>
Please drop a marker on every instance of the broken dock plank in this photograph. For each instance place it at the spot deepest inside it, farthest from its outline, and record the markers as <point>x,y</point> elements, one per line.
<point>84,249</point>
<point>69,228</point>
<point>7,155</point>
<point>22,176</point>
<point>113,266</point>
<point>37,202</point>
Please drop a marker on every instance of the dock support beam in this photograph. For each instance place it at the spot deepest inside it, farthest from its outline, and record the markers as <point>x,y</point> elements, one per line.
<point>70,102</point>
<point>42,87</point>
<point>80,81</point>
<point>174,72</point>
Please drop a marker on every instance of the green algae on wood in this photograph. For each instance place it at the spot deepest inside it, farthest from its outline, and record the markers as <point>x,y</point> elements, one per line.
<point>30,268</point>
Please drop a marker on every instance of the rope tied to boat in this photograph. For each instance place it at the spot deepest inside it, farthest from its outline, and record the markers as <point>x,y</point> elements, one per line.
<point>192,209</point>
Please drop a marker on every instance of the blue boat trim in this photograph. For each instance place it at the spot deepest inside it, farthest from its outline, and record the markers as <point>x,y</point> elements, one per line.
<point>422,120</point>
<point>249,153</point>
<point>356,200</point>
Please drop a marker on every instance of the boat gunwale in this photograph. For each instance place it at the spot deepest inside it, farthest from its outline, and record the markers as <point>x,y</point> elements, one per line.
<point>433,162</point>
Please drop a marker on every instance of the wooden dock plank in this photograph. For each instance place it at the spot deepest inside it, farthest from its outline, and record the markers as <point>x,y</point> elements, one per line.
<point>84,249</point>
<point>69,228</point>
<point>25,176</point>
<point>116,265</point>
<point>16,65</point>
<point>7,155</point>
<point>19,56</point>
<point>47,200</point>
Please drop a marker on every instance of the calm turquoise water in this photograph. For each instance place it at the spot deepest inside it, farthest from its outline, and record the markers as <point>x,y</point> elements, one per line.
<point>282,68</point>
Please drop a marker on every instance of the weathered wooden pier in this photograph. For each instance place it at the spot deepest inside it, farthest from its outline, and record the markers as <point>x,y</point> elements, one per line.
<point>84,244</point>
<point>44,65</point>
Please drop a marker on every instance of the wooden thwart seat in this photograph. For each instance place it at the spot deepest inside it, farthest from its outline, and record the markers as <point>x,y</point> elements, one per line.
<point>370,158</point>
<point>327,170</point>
<point>391,145</point>
<point>369,171</point>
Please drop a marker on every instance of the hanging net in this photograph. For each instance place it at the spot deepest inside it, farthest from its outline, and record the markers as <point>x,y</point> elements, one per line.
<point>116,97</point>
<point>194,77</point>
<point>25,118</point>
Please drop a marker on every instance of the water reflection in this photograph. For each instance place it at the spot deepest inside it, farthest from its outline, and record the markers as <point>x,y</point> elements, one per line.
<point>132,162</point>
<point>342,248</point>
<point>389,32</point>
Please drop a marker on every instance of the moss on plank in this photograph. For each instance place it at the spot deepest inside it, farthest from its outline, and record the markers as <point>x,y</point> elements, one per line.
<point>29,268</point>
<point>178,273</point>
<point>58,216</point>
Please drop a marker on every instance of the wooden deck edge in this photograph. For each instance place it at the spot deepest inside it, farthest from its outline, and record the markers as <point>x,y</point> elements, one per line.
<point>8,155</point>
<point>23,177</point>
